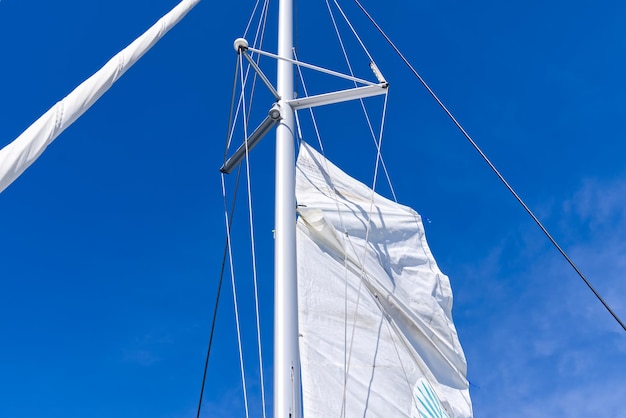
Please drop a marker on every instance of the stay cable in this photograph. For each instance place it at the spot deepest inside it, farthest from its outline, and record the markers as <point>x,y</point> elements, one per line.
<point>491,165</point>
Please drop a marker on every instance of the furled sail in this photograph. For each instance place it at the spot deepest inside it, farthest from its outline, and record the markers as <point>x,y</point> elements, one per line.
<point>376,331</point>
<point>26,148</point>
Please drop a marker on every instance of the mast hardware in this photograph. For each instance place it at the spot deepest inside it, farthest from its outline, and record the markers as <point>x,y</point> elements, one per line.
<point>240,44</point>
<point>377,73</point>
<point>338,96</point>
<point>367,89</point>
<point>274,116</point>
<point>260,73</point>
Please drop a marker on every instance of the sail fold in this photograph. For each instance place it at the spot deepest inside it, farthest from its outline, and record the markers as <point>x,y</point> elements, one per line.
<point>25,149</point>
<point>377,337</point>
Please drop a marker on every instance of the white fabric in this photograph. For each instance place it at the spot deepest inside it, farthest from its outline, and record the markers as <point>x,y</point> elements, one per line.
<point>406,359</point>
<point>26,148</point>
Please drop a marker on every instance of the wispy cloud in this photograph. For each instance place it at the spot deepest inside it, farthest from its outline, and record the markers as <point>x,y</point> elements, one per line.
<point>549,347</point>
<point>144,350</point>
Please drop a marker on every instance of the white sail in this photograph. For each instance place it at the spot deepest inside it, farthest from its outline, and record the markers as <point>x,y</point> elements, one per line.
<point>26,148</point>
<point>372,302</point>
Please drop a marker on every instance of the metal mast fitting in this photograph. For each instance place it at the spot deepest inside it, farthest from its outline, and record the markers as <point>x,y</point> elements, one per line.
<point>377,73</point>
<point>273,117</point>
<point>240,44</point>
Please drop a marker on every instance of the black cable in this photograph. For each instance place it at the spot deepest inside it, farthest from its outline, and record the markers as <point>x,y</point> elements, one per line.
<point>495,170</point>
<point>230,223</point>
<point>219,290</point>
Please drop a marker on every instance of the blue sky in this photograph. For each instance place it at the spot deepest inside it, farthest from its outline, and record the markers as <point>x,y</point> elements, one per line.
<point>112,241</point>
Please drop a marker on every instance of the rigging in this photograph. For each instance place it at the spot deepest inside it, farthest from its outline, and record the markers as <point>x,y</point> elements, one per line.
<point>232,117</point>
<point>491,165</point>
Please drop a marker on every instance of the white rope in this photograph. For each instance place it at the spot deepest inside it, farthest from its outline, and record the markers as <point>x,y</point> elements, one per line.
<point>239,106</point>
<point>365,112</point>
<point>378,144</point>
<point>264,13</point>
<point>365,245</point>
<point>256,5</point>
<point>260,31</point>
<point>252,242</point>
<point>234,125</point>
<point>356,35</point>
<point>232,277</point>
<point>306,94</point>
<point>259,37</point>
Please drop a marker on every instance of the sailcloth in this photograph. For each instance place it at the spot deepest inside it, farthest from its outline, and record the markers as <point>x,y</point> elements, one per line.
<point>26,148</point>
<point>376,331</point>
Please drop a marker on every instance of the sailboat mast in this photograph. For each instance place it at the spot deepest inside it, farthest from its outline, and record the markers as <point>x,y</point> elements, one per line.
<point>286,352</point>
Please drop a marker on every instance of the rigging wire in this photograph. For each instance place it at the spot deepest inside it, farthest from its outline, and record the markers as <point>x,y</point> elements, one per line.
<point>367,237</point>
<point>256,5</point>
<point>258,41</point>
<point>231,122</point>
<point>254,269</point>
<point>258,37</point>
<point>356,35</point>
<point>331,191</point>
<point>219,290</point>
<point>345,54</point>
<point>232,118</point>
<point>237,323</point>
<point>379,162</point>
<point>306,93</point>
<point>492,166</point>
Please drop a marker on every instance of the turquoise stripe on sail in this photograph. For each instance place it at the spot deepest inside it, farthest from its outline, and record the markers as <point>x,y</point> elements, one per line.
<point>427,404</point>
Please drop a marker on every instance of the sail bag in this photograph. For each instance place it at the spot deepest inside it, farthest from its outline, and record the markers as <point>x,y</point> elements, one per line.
<point>376,331</point>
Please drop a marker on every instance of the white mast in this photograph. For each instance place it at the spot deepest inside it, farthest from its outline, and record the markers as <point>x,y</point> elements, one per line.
<point>286,352</point>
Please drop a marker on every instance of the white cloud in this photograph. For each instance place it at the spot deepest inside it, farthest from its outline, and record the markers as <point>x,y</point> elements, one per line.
<point>544,346</point>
